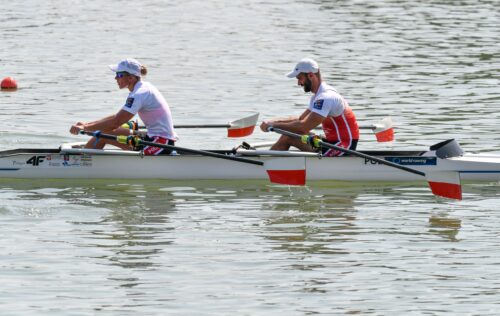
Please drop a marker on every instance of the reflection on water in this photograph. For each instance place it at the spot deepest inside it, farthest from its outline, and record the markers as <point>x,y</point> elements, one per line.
<point>446,227</point>
<point>323,239</point>
<point>136,229</point>
<point>137,221</point>
<point>313,224</point>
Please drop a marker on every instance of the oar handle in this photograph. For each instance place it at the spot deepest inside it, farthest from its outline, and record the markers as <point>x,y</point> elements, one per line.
<point>134,140</point>
<point>318,142</point>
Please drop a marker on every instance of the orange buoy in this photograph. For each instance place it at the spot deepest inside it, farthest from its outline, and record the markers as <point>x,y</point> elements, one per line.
<point>8,83</point>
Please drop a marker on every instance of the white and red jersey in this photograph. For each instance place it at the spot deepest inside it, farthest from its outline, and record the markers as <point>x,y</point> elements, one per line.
<point>146,101</point>
<point>340,125</point>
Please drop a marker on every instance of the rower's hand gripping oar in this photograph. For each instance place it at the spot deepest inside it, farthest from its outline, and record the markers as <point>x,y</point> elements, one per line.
<point>442,183</point>
<point>238,128</point>
<point>281,171</point>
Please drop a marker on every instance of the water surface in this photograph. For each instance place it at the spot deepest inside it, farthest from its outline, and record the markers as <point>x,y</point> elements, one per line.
<point>250,248</point>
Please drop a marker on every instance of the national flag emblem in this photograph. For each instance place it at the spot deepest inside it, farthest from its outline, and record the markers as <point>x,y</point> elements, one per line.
<point>129,102</point>
<point>318,104</point>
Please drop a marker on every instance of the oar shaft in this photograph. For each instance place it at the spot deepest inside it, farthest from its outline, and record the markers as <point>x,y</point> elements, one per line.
<point>201,152</point>
<point>351,152</point>
<point>202,126</point>
<point>370,127</point>
<point>196,126</point>
<point>98,135</point>
<point>363,127</point>
<point>179,149</point>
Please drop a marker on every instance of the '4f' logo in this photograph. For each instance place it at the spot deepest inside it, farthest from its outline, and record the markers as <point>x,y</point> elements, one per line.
<point>35,160</point>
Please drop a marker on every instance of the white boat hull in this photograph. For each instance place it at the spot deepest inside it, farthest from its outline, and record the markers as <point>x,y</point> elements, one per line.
<point>115,164</point>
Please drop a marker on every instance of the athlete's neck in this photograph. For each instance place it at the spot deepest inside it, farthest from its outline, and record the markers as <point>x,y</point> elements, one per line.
<point>132,85</point>
<point>315,85</point>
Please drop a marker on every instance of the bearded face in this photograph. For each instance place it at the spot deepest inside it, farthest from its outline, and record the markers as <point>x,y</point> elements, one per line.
<point>307,85</point>
<point>304,81</point>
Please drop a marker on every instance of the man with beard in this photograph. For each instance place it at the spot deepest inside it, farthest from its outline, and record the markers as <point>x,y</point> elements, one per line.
<point>326,107</point>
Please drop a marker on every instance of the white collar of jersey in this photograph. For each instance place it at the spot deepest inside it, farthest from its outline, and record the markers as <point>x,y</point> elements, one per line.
<point>138,84</point>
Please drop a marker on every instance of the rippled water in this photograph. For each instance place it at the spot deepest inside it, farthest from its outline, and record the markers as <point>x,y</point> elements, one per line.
<point>250,248</point>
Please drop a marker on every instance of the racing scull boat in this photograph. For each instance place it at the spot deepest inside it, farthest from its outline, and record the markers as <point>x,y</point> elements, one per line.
<point>72,161</point>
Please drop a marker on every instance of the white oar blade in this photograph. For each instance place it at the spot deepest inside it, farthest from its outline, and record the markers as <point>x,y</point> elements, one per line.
<point>243,127</point>
<point>445,184</point>
<point>290,171</point>
<point>384,131</point>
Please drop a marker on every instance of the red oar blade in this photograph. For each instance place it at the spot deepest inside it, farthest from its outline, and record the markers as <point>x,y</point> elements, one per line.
<point>290,171</point>
<point>445,184</point>
<point>240,132</point>
<point>243,127</point>
<point>385,136</point>
<point>384,131</point>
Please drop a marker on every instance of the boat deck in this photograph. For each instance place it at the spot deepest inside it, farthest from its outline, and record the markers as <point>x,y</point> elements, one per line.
<point>80,151</point>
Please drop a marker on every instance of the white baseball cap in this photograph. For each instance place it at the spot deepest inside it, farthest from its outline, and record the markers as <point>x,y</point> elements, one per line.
<point>305,65</point>
<point>129,65</point>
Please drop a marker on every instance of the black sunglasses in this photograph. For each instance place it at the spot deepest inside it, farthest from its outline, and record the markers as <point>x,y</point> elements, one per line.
<point>121,74</point>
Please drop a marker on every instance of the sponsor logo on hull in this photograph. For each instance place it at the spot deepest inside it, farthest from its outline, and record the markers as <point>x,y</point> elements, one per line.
<point>407,161</point>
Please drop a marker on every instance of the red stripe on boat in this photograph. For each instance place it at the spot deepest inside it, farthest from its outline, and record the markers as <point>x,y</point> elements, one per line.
<point>290,177</point>
<point>448,190</point>
<point>385,136</point>
<point>240,132</point>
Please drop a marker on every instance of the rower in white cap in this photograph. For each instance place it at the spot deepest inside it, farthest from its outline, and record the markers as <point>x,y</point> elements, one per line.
<point>326,107</point>
<point>146,101</point>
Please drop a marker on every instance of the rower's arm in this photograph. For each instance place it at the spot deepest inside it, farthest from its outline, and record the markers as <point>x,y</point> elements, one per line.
<point>307,121</point>
<point>291,118</point>
<point>304,114</point>
<point>287,120</point>
<point>109,123</point>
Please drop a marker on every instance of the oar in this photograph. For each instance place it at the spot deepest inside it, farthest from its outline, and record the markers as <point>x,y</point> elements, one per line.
<point>281,171</point>
<point>442,183</point>
<point>238,128</point>
<point>383,130</point>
